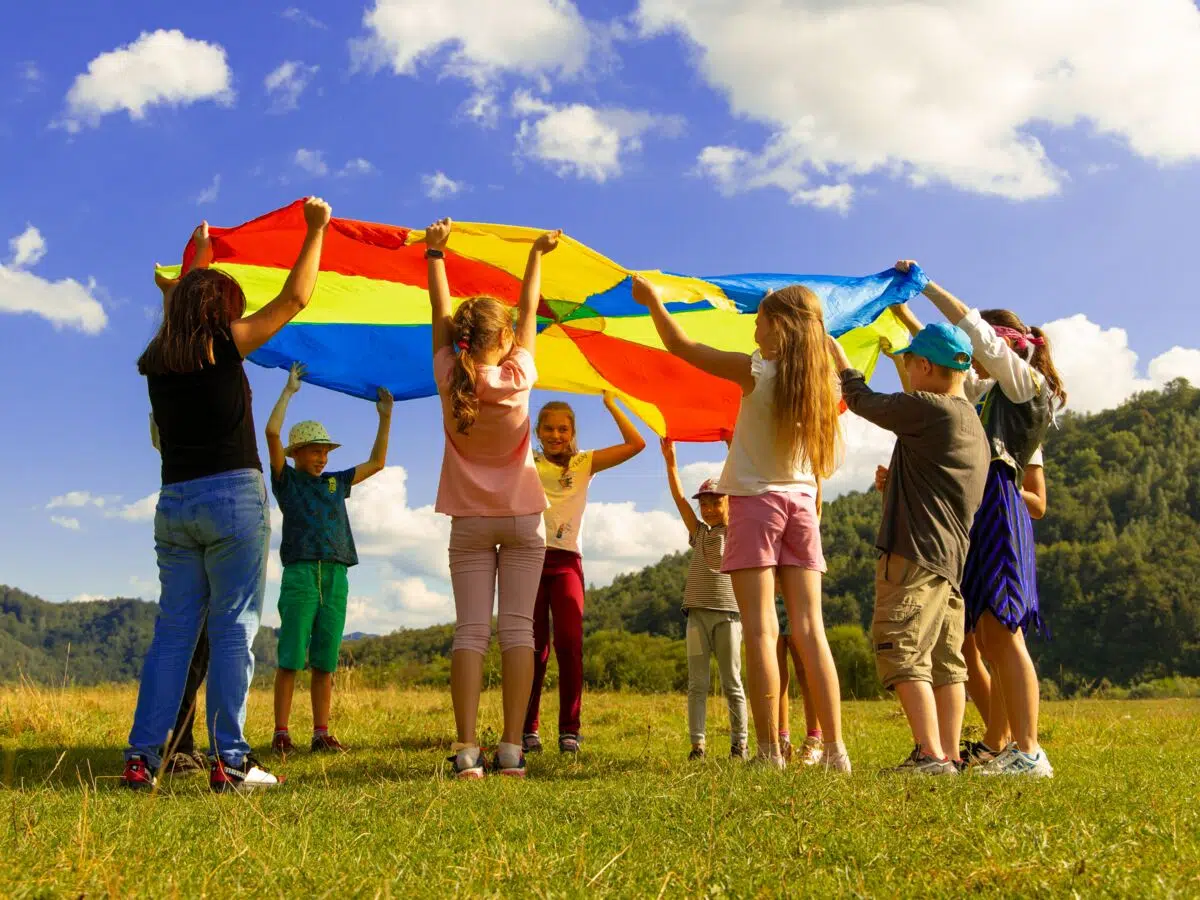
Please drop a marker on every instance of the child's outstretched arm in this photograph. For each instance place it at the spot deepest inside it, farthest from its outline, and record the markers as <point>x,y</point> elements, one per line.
<point>531,289</point>
<point>898,413</point>
<point>690,520</point>
<point>378,459</point>
<point>1033,491</point>
<point>275,422</point>
<point>201,260</point>
<point>436,237</point>
<point>1014,375</point>
<point>255,330</point>
<point>632,443</point>
<point>733,367</point>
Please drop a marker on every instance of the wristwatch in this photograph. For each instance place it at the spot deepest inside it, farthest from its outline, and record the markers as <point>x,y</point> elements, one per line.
<point>434,254</point>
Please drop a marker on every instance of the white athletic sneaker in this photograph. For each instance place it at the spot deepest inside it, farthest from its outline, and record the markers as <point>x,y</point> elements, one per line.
<point>836,762</point>
<point>1012,761</point>
<point>468,761</point>
<point>812,752</point>
<point>764,761</point>
<point>249,776</point>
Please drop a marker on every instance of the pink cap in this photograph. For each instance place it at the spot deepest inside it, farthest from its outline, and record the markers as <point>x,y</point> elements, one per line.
<point>709,487</point>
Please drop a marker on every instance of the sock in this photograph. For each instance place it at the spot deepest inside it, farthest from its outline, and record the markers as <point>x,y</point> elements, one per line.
<point>785,737</point>
<point>509,755</point>
<point>320,731</point>
<point>466,753</point>
<point>814,733</point>
<point>280,729</point>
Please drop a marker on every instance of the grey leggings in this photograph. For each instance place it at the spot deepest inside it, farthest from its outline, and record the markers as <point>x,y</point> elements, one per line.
<point>708,632</point>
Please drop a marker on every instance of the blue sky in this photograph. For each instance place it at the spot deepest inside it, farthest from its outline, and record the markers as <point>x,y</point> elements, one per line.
<point>1054,174</point>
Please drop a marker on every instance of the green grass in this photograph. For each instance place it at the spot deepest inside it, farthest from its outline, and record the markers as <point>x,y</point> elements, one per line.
<point>629,818</point>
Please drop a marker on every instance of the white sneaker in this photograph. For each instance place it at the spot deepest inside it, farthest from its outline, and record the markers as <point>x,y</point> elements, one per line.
<point>468,761</point>
<point>771,763</point>
<point>1013,761</point>
<point>836,762</point>
<point>249,776</point>
<point>812,752</point>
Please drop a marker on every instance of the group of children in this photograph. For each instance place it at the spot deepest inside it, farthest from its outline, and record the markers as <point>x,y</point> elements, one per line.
<point>955,581</point>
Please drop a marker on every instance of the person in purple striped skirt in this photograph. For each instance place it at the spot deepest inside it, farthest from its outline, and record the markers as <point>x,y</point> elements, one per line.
<point>1017,391</point>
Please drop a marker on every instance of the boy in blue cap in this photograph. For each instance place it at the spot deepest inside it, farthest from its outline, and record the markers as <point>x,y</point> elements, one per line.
<point>932,490</point>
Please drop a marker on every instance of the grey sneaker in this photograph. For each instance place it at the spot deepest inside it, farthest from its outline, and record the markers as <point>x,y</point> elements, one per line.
<point>696,754</point>
<point>739,751</point>
<point>1012,761</point>
<point>569,743</point>
<point>921,763</point>
<point>531,743</point>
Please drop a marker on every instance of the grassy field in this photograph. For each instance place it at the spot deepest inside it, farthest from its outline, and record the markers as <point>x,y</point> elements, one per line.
<point>630,817</point>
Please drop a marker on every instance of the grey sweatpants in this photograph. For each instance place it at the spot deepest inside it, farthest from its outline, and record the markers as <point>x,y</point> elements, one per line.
<point>708,632</point>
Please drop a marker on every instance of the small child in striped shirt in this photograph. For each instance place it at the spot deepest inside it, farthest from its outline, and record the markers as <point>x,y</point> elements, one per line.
<point>714,625</point>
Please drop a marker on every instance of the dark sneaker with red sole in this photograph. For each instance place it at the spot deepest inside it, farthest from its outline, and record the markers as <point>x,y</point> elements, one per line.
<point>282,743</point>
<point>327,743</point>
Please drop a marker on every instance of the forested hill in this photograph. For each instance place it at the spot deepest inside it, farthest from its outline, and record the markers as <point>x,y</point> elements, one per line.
<point>1118,557</point>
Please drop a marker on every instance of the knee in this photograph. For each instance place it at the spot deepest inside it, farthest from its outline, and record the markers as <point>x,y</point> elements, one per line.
<point>515,631</point>
<point>474,636</point>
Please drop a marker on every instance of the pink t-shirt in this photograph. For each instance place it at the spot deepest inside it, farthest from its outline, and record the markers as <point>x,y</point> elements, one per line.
<point>490,470</point>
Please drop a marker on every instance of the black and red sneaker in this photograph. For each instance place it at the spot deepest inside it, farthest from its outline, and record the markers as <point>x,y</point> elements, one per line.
<point>327,743</point>
<point>138,776</point>
<point>249,776</point>
<point>282,744</point>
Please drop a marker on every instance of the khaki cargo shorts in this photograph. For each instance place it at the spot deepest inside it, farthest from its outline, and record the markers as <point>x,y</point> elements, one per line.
<point>917,631</point>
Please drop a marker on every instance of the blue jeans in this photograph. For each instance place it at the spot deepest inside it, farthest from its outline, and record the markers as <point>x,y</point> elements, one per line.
<point>211,537</point>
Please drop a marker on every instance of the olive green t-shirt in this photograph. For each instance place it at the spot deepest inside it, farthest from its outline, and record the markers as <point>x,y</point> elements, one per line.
<point>936,477</point>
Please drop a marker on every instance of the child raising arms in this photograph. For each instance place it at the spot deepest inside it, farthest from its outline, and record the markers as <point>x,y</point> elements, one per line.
<point>566,474</point>
<point>490,488</point>
<point>785,440</point>
<point>713,623</point>
<point>1016,390</point>
<point>316,550</point>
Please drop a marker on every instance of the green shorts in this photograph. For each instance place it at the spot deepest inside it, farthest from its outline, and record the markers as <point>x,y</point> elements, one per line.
<point>312,613</point>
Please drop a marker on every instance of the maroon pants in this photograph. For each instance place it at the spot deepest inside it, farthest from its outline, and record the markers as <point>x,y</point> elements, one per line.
<point>560,596</point>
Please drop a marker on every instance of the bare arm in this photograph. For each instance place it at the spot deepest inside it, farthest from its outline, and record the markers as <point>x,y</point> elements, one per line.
<point>255,330</point>
<point>690,521</point>
<point>154,438</point>
<point>733,367</point>
<point>1033,491</point>
<point>436,236</point>
<point>531,289</point>
<point>632,443</point>
<point>201,260</point>
<point>275,422</point>
<point>378,459</point>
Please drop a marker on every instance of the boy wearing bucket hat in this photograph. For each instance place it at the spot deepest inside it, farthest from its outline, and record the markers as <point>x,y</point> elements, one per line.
<point>316,550</point>
<point>713,623</point>
<point>934,486</point>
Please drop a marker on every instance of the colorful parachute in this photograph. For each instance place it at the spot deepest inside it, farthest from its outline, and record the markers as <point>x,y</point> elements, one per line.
<point>368,323</point>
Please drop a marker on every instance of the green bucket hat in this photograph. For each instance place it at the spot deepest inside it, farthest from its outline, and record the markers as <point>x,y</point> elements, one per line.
<point>309,432</point>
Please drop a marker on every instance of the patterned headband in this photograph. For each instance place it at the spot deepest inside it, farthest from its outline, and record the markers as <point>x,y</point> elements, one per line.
<point>1022,340</point>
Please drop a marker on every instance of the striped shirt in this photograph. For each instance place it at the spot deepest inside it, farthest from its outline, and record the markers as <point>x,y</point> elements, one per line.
<point>706,587</point>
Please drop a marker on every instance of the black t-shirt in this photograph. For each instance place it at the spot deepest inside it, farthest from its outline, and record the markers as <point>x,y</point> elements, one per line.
<point>205,419</point>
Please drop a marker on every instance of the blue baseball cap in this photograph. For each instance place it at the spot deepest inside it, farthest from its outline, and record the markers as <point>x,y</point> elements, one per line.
<point>944,344</point>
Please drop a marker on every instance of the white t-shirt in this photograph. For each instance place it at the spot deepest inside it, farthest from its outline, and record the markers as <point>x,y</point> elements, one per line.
<point>754,465</point>
<point>1038,459</point>
<point>566,490</point>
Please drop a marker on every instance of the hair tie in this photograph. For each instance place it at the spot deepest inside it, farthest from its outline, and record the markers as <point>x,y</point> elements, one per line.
<point>1021,339</point>
<point>463,344</point>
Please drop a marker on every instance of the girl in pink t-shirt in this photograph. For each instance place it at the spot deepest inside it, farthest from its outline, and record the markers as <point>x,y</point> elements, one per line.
<point>491,489</point>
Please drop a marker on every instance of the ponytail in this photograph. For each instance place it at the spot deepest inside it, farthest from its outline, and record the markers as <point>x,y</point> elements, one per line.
<point>479,325</point>
<point>1044,363</point>
<point>1039,358</point>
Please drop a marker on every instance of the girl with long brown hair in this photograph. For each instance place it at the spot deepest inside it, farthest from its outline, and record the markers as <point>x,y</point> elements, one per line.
<point>785,442</point>
<point>1017,391</point>
<point>490,488</point>
<point>566,474</point>
<point>211,525</point>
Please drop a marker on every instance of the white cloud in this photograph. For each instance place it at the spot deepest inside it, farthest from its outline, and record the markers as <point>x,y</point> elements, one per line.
<point>274,566</point>
<point>210,193</point>
<point>866,446</point>
<point>311,161</point>
<point>138,511</point>
<point>65,303</point>
<point>402,603</point>
<point>1100,369</point>
<point>581,140</point>
<point>484,39</point>
<point>159,68</point>
<point>295,14</point>
<point>357,166</point>
<point>31,74</point>
<point>75,500</point>
<point>386,527</point>
<point>146,588</point>
<point>618,537</point>
<point>68,522</point>
<point>938,92</point>
<point>483,108</point>
<point>438,186</point>
<point>28,248</point>
<point>86,598</point>
<point>287,82</point>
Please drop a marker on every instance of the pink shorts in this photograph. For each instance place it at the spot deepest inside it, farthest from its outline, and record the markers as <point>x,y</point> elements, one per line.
<point>773,529</point>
